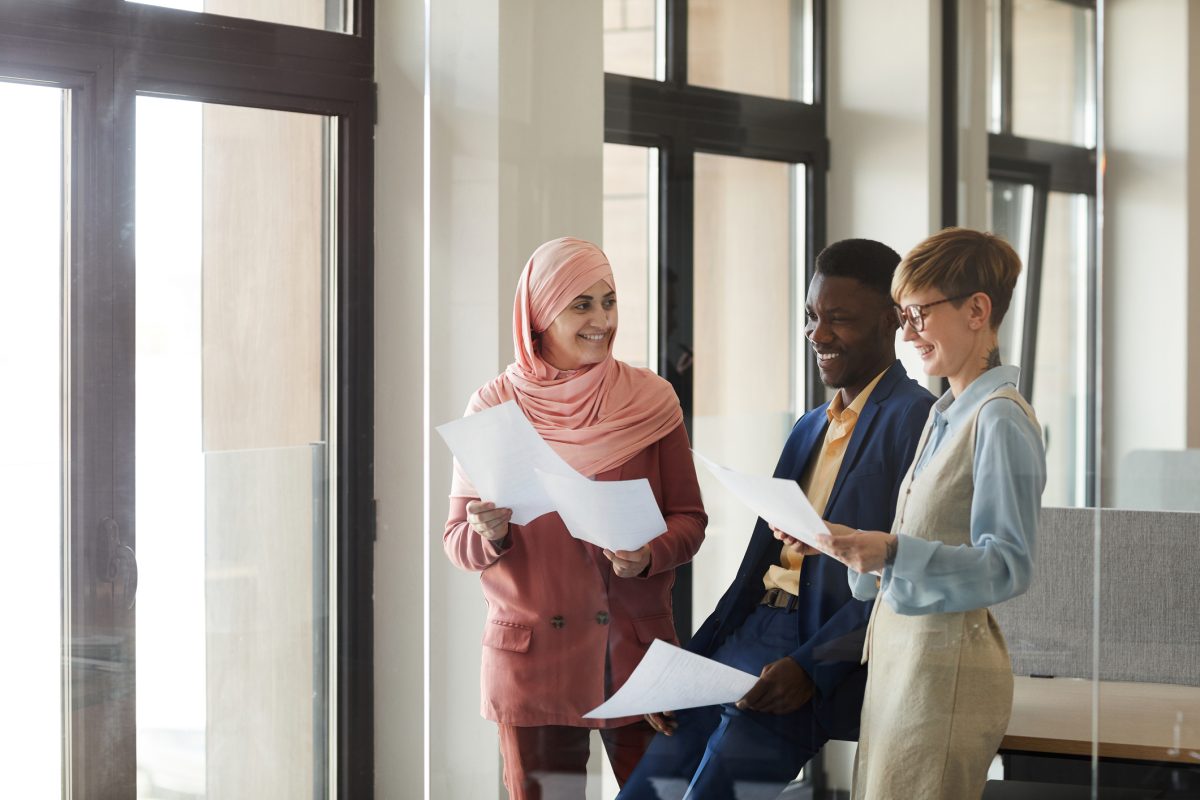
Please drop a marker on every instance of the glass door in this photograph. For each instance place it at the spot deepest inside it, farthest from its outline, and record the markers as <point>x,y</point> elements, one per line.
<point>32,157</point>
<point>232,450</point>
<point>180,247</point>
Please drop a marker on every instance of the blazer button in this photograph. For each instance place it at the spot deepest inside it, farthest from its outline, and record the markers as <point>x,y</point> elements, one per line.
<point>602,617</point>
<point>557,621</point>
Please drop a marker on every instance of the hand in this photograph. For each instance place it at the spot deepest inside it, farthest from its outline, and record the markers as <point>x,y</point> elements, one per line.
<point>782,688</point>
<point>797,546</point>
<point>488,521</point>
<point>629,563</point>
<point>861,551</point>
<point>664,722</point>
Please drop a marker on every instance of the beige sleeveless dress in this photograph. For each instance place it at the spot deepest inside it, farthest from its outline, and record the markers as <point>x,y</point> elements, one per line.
<point>939,686</point>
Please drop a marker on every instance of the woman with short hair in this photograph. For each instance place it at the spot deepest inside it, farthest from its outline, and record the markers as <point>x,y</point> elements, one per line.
<point>567,621</point>
<point>939,682</point>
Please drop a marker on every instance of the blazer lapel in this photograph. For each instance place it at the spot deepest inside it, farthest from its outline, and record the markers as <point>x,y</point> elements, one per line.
<point>797,457</point>
<point>881,392</point>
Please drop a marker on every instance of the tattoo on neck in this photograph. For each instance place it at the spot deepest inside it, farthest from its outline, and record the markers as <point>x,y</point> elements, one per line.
<point>992,359</point>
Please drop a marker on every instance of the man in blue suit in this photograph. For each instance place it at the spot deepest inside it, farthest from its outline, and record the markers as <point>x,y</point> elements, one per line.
<point>787,617</point>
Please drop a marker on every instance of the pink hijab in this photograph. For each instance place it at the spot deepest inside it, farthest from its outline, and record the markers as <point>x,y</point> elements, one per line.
<point>596,418</point>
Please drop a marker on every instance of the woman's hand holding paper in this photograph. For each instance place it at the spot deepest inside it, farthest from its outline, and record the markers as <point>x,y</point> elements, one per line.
<point>861,551</point>
<point>488,521</point>
<point>629,563</point>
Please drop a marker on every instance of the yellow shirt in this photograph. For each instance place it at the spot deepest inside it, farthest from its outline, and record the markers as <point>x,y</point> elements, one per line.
<point>818,479</point>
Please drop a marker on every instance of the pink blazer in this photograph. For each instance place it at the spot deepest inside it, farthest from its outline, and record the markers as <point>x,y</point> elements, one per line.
<point>556,610</point>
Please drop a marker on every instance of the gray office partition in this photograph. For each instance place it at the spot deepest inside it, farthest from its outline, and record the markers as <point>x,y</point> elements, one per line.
<point>1149,577</point>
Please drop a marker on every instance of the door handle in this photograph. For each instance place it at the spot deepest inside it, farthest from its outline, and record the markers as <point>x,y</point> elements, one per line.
<point>116,562</point>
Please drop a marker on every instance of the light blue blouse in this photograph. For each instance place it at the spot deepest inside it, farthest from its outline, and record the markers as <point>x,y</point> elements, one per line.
<point>1009,471</point>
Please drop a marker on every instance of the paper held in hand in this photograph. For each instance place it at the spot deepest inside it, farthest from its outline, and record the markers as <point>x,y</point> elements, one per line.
<point>500,451</point>
<point>779,501</point>
<point>617,515</point>
<point>670,678</point>
<point>513,467</point>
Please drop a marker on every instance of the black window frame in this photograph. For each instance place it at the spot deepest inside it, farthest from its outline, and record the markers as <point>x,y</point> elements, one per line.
<point>679,120</point>
<point>107,52</point>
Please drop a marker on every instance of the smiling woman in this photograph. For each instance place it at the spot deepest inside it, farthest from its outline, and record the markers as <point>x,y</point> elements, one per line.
<point>583,333</point>
<point>568,621</point>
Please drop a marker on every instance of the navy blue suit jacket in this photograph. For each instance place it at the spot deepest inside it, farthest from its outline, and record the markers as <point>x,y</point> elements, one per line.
<point>832,623</point>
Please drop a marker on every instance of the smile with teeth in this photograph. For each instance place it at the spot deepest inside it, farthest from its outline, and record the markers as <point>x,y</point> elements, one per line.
<point>925,350</point>
<point>593,337</point>
<point>827,358</point>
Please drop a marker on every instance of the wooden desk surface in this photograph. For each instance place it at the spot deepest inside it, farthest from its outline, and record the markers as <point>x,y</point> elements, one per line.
<point>1145,721</point>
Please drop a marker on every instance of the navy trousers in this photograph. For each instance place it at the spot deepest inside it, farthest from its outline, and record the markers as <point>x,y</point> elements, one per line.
<point>719,752</point>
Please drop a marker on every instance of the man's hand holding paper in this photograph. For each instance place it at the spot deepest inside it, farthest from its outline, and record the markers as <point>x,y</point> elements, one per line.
<point>780,502</point>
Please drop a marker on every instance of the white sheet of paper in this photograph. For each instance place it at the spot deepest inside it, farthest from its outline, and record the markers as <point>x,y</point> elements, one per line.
<point>500,450</point>
<point>618,515</point>
<point>670,678</point>
<point>779,501</point>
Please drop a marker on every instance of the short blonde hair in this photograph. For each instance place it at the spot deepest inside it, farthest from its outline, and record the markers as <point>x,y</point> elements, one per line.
<point>961,261</point>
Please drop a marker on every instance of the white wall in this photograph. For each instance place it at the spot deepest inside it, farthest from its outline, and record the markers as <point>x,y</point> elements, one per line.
<point>884,68</point>
<point>884,98</point>
<point>514,158</point>
<point>1146,236</point>
<point>399,427</point>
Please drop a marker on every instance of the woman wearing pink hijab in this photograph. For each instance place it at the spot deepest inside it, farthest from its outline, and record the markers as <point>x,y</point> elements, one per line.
<point>567,621</point>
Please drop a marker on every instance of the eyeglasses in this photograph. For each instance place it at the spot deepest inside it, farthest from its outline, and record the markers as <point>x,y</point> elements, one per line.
<point>915,314</point>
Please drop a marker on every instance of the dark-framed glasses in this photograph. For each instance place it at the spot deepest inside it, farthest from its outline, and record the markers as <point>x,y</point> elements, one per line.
<point>914,314</point>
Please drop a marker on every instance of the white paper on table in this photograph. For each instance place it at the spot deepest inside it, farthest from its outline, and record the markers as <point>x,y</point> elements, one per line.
<point>617,515</point>
<point>670,678</point>
<point>780,502</point>
<point>500,450</point>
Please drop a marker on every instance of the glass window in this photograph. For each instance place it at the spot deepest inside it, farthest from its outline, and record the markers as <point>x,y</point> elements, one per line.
<point>1053,71</point>
<point>31,465</point>
<point>747,246</point>
<point>232,451</point>
<point>1010,209</point>
<point>1060,361</point>
<point>327,15</point>
<point>631,243</point>
<point>761,47</point>
<point>631,38</point>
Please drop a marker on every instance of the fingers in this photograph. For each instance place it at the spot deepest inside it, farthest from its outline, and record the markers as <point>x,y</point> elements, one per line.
<point>786,538</point>
<point>836,529</point>
<point>791,541</point>
<point>756,696</point>
<point>628,563</point>
<point>487,520</point>
<point>663,722</point>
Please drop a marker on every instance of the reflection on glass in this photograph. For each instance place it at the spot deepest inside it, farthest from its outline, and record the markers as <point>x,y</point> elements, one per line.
<point>1010,208</point>
<point>231,611</point>
<point>321,14</point>
<point>630,38</point>
<point>747,336</point>
<point>762,48</point>
<point>1054,67</point>
<point>631,243</point>
<point>31,160</point>
<point>995,71</point>
<point>1060,382</point>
